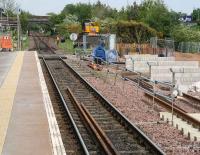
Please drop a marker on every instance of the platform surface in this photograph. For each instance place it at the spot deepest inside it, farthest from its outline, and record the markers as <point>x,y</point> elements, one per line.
<point>7,93</point>
<point>6,60</point>
<point>28,129</point>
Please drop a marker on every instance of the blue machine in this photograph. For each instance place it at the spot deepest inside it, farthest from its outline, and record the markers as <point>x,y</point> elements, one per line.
<point>99,53</point>
<point>112,56</point>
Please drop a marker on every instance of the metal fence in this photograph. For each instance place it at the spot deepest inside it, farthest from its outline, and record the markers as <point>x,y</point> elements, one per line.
<point>162,46</point>
<point>189,47</point>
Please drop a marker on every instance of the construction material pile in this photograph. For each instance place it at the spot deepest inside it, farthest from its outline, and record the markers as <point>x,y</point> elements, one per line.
<point>185,75</point>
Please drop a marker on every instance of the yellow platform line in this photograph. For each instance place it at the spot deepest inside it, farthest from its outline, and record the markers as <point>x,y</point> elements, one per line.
<point>7,94</point>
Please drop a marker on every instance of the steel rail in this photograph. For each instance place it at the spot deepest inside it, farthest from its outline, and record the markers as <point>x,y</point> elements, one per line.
<point>67,110</point>
<point>180,112</point>
<point>192,98</point>
<point>114,111</point>
<point>138,134</point>
<point>106,144</point>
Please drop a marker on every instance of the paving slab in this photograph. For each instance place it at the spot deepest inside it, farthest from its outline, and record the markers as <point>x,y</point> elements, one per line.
<point>28,130</point>
<point>7,93</point>
<point>6,61</point>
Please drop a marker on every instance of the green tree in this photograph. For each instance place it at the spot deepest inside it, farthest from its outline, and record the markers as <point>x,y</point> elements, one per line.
<point>183,33</point>
<point>106,25</point>
<point>24,17</point>
<point>196,14</point>
<point>156,15</point>
<point>9,6</point>
<point>133,11</point>
<point>56,19</point>
<point>153,13</point>
<point>132,31</point>
<point>122,14</point>
<point>70,19</point>
<point>81,10</point>
<point>69,9</point>
<point>103,11</point>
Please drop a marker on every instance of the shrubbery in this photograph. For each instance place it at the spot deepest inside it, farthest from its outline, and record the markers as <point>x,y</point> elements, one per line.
<point>132,31</point>
<point>185,34</point>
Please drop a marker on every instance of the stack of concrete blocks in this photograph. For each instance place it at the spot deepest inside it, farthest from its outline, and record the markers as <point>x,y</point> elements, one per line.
<point>142,65</point>
<point>131,58</point>
<point>139,63</point>
<point>186,79</point>
<point>161,71</point>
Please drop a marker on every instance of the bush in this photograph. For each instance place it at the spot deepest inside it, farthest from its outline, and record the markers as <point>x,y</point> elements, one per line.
<point>132,31</point>
<point>185,34</point>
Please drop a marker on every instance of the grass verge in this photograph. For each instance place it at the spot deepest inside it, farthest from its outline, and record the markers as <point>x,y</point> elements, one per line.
<point>67,46</point>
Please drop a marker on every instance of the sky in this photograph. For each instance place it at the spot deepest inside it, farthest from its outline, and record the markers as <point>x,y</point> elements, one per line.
<point>41,7</point>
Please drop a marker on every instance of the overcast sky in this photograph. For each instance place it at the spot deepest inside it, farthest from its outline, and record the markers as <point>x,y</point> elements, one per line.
<point>41,7</point>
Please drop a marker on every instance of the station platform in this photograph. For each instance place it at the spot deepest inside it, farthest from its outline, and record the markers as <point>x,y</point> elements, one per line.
<point>25,126</point>
<point>6,60</point>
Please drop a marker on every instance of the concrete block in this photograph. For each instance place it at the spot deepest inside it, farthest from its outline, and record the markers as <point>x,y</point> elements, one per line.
<point>172,63</point>
<point>139,62</point>
<point>161,69</point>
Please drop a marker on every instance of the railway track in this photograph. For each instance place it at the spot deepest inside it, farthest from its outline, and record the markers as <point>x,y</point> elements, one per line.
<point>180,112</point>
<point>191,97</point>
<point>70,136</point>
<point>99,128</point>
<point>123,137</point>
<point>191,100</point>
<point>177,110</point>
<point>44,48</point>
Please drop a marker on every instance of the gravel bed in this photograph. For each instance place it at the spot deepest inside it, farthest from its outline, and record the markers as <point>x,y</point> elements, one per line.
<point>140,110</point>
<point>166,91</point>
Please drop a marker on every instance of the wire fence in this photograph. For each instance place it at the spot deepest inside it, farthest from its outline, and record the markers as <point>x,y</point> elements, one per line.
<point>189,47</point>
<point>165,46</point>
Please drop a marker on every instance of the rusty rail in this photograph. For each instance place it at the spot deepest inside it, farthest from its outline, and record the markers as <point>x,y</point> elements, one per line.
<point>106,144</point>
<point>178,111</point>
<point>191,98</point>
<point>115,112</point>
